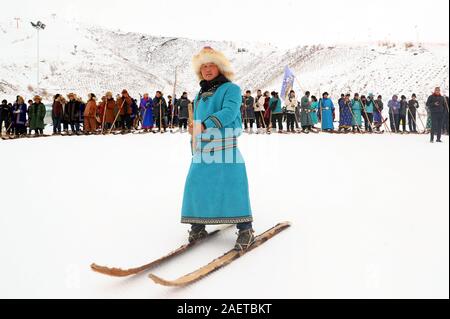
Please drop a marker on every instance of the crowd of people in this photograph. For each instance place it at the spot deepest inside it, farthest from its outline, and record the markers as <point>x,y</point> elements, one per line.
<point>267,112</point>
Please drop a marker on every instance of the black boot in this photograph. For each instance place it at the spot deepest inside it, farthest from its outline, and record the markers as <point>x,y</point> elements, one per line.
<point>197,232</point>
<point>245,239</point>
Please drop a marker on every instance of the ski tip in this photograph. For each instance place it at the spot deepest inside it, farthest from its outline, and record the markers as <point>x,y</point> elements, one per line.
<point>114,272</point>
<point>285,224</point>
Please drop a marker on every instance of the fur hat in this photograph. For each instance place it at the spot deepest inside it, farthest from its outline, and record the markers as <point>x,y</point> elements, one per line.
<point>209,55</point>
<point>37,97</point>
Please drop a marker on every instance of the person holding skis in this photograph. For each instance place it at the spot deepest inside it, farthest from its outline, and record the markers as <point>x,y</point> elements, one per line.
<point>378,113</point>
<point>345,114</point>
<point>413,105</point>
<point>403,110</point>
<point>394,113</point>
<point>216,190</point>
<point>248,111</point>
<point>160,111</point>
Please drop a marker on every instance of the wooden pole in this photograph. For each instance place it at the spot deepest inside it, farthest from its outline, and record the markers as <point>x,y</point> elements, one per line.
<point>117,116</point>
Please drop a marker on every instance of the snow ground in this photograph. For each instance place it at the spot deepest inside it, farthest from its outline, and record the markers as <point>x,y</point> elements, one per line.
<point>370,217</point>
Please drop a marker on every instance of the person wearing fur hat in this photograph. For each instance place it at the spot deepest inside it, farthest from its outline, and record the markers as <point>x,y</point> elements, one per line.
<point>216,190</point>
<point>90,121</point>
<point>36,115</point>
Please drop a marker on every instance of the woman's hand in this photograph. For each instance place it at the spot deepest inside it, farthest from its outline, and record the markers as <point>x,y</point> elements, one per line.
<point>196,128</point>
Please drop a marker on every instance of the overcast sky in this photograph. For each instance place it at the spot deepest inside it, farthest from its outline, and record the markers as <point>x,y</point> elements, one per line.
<point>286,23</point>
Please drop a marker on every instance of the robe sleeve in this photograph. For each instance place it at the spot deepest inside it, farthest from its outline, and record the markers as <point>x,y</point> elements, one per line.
<point>230,109</point>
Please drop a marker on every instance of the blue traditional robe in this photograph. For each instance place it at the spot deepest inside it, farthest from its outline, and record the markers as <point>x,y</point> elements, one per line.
<point>216,190</point>
<point>146,109</point>
<point>327,109</point>
<point>314,108</point>
<point>345,114</point>
<point>356,108</point>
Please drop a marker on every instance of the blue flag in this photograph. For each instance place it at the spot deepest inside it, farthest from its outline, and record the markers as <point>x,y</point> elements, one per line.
<point>288,82</point>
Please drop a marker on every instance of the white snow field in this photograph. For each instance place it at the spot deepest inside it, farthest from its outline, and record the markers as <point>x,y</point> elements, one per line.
<point>370,217</point>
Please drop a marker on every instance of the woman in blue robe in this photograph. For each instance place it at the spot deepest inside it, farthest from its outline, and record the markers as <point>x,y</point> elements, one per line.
<point>326,109</point>
<point>313,109</point>
<point>146,108</point>
<point>345,113</point>
<point>216,190</point>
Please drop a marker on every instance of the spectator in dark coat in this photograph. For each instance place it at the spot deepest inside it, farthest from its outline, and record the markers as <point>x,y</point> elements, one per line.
<point>436,104</point>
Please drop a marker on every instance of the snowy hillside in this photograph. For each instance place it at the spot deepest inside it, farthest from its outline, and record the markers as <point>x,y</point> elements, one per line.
<point>358,230</point>
<point>82,58</point>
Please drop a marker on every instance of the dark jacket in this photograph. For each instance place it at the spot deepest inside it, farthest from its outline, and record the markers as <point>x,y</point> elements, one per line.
<point>378,106</point>
<point>436,103</point>
<point>72,111</point>
<point>36,115</point>
<point>19,114</point>
<point>57,109</point>
<point>413,105</point>
<point>248,108</point>
<point>159,107</point>
<point>183,108</point>
<point>5,112</point>
<point>403,107</point>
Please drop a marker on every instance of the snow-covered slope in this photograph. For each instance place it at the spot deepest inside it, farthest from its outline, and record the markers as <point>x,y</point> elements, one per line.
<point>361,228</point>
<point>81,58</point>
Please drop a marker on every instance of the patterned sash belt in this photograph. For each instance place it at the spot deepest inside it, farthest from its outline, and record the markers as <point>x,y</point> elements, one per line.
<point>223,144</point>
